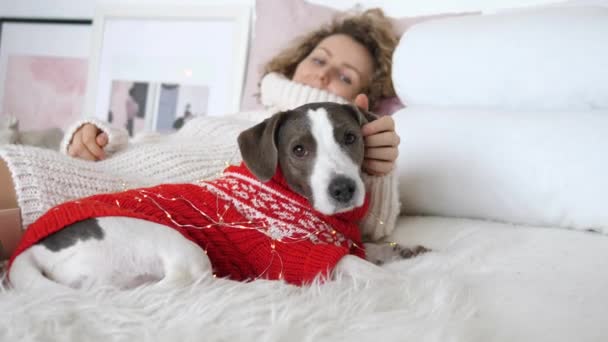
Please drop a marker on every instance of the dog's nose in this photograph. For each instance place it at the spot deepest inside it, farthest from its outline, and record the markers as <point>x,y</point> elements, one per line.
<point>342,189</point>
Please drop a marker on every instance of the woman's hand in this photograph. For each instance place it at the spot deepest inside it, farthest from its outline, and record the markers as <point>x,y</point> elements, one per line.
<point>381,142</point>
<point>88,143</point>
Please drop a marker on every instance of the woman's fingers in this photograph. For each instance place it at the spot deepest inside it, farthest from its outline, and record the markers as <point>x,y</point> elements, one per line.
<point>89,138</point>
<point>385,139</point>
<point>382,153</point>
<point>102,139</point>
<point>381,146</point>
<point>78,150</point>
<point>382,124</point>
<point>362,101</point>
<point>377,167</point>
<point>84,144</point>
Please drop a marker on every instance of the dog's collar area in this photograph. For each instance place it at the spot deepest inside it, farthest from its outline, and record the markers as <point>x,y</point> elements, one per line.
<point>353,215</point>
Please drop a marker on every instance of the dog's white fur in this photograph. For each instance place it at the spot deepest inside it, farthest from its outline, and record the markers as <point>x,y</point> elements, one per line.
<point>331,161</point>
<point>132,252</point>
<point>135,251</point>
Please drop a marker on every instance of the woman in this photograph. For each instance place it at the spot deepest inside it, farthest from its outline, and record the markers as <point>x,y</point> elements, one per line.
<point>346,61</point>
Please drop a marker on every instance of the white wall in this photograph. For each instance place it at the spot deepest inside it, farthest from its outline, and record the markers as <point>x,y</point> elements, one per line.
<point>86,8</point>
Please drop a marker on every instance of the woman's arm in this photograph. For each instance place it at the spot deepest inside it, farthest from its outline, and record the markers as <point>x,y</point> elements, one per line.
<point>384,206</point>
<point>381,146</point>
<point>381,151</point>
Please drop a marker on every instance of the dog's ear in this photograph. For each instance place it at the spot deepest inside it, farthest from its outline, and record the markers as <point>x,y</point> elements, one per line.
<point>363,116</point>
<point>259,147</point>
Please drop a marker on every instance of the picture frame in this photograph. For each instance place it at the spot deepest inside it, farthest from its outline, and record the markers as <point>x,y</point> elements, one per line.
<point>43,70</point>
<point>200,48</point>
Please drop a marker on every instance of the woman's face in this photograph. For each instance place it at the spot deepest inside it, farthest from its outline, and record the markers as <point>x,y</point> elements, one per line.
<point>339,65</point>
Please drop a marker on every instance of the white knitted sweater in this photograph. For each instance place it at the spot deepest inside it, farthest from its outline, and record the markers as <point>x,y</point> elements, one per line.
<point>201,149</point>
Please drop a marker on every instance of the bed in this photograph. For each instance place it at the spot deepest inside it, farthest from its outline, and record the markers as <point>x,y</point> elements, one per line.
<point>483,281</point>
<point>502,174</point>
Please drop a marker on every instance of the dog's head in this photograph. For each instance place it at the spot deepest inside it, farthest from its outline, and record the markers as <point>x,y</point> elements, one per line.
<point>319,148</point>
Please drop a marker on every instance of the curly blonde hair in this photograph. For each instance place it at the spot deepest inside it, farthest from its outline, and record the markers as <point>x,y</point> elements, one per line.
<point>371,28</point>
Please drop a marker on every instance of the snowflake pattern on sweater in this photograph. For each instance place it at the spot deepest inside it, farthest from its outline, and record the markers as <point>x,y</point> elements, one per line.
<point>248,229</point>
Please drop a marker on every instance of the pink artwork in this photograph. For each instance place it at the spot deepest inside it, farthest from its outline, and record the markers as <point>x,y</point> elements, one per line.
<point>153,106</point>
<point>128,105</point>
<point>44,92</point>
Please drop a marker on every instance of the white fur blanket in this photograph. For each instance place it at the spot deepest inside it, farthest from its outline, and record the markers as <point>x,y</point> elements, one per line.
<point>483,282</point>
<point>416,301</point>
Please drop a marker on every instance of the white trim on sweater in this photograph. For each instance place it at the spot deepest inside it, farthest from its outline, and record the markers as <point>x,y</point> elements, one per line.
<point>283,94</point>
<point>117,137</point>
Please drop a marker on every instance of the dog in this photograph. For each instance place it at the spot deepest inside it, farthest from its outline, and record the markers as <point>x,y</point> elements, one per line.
<point>315,152</point>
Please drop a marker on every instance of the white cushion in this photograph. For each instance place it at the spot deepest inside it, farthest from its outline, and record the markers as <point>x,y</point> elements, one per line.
<point>533,168</point>
<point>544,59</point>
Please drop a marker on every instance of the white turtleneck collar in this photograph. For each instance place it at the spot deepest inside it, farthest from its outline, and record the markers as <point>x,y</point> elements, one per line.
<point>280,93</point>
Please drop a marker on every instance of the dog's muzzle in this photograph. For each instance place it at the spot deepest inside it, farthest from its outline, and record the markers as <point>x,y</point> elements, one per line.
<point>342,189</point>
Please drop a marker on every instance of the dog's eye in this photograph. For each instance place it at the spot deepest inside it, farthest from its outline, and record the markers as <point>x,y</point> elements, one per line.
<point>349,138</point>
<point>300,151</point>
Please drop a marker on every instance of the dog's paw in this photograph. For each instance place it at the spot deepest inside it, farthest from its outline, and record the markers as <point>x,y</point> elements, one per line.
<point>410,252</point>
<point>382,253</point>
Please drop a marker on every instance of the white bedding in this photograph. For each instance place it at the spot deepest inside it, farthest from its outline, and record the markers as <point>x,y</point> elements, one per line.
<point>528,283</point>
<point>483,282</point>
<point>547,59</point>
<point>527,167</point>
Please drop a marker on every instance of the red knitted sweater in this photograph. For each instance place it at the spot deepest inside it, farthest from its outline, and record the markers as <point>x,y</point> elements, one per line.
<point>273,232</point>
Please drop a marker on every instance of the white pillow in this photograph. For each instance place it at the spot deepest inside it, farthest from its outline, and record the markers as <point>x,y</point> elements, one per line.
<point>544,59</point>
<point>533,168</point>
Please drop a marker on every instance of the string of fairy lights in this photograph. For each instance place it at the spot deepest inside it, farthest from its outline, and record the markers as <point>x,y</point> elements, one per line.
<point>218,221</point>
